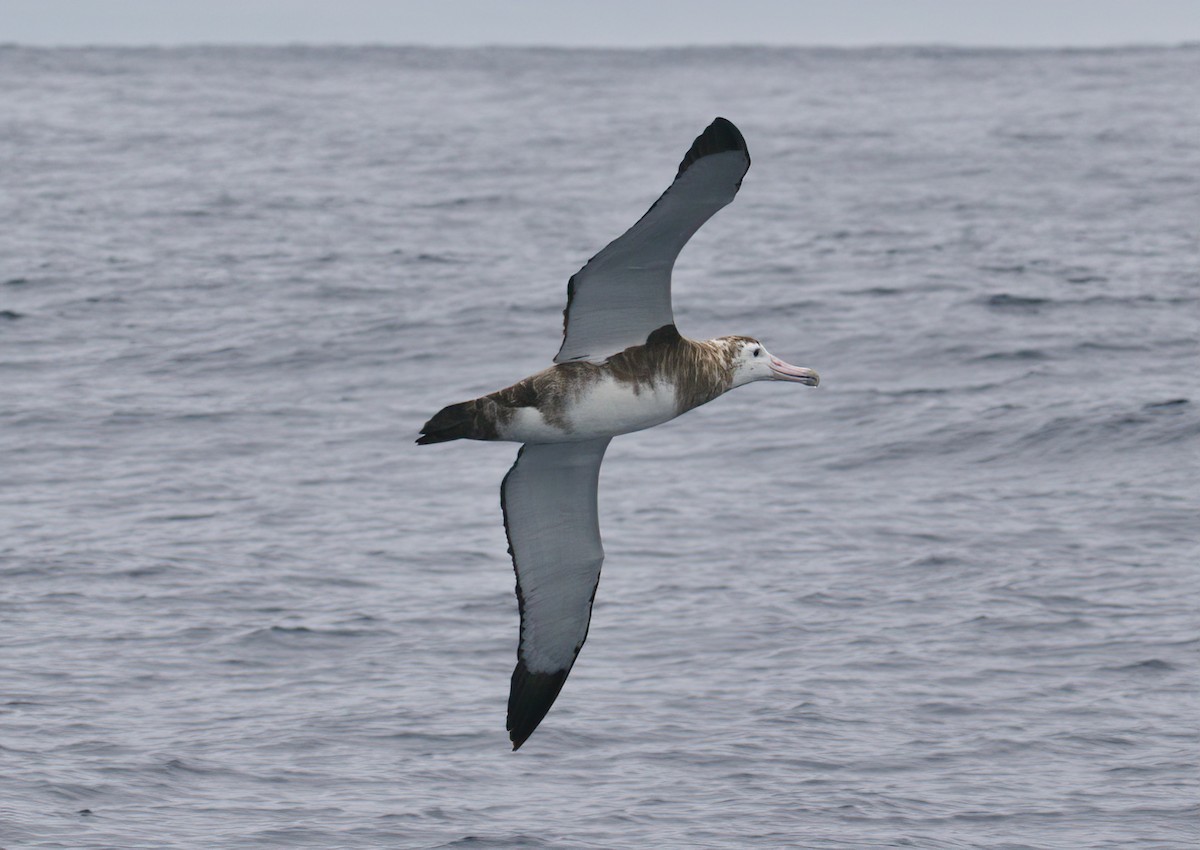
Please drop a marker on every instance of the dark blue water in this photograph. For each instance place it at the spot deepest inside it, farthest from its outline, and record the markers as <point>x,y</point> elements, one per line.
<point>949,599</point>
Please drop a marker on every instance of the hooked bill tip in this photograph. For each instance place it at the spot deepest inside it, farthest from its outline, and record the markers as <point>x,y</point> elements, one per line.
<point>798,374</point>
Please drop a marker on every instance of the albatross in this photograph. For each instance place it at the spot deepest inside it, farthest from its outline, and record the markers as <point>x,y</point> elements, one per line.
<point>622,367</point>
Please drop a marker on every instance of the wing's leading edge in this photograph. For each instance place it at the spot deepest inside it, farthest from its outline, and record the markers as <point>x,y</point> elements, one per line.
<point>550,516</point>
<point>623,293</point>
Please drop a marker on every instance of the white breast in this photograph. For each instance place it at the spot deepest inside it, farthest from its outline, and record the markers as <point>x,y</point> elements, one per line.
<point>604,409</point>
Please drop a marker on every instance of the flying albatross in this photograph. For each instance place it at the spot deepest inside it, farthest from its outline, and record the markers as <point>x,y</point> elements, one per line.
<point>622,367</point>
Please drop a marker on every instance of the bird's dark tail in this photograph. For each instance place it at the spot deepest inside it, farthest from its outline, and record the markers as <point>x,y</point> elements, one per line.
<point>463,421</point>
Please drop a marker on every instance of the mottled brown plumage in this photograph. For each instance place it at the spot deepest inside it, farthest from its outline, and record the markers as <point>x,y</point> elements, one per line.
<point>699,371</point>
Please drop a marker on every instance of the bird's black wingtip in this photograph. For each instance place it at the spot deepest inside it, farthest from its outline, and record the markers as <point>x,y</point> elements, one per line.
<point>718,137</point>
<point>529,698</point>
<point>729,134</point>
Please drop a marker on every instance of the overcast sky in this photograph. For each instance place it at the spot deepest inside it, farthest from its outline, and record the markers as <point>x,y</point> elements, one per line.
<point>609,23</point>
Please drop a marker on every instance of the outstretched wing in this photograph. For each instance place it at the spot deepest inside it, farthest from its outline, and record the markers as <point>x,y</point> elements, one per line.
<point>549,502</point>
<point>623,294</point>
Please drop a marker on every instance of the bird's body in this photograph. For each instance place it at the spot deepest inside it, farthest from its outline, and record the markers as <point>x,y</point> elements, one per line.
<point>579,401</point>
<point>622,367</point>
<point>639,387</point>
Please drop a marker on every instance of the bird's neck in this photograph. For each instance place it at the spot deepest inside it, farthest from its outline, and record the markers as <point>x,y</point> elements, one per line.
<point>699,370</point>
<point>703,370</point>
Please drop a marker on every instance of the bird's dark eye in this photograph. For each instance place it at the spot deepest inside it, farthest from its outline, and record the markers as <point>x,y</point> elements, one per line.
<point>756,352</point>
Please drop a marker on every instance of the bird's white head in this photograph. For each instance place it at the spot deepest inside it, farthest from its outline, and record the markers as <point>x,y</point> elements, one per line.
<point>750,361</point>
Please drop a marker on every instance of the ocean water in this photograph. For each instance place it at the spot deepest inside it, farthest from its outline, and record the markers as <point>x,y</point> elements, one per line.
<point>948,599</point>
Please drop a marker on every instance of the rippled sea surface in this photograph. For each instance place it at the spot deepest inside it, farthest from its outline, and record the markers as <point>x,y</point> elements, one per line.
<point>948,599</point>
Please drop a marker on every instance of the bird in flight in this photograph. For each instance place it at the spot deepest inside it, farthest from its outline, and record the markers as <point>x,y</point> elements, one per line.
<point>622,367</point>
